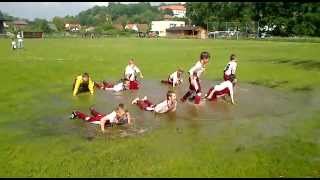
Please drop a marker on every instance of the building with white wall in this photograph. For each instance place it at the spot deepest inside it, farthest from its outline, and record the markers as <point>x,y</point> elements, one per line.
<point>161,26</point>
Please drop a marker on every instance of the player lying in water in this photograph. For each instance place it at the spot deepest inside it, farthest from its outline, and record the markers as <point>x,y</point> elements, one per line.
<point>119,116</point>
<point>174,79</point>
<point>123,85</point>
<point>170,104</point>
<point>221,90</point>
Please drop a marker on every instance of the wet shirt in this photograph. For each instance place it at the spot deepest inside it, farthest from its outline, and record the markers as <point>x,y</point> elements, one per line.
<point>118,87</point>
<point>130,72</point>
<point>164,107</point>
<point>198,68</point>
<point>174,78</point>
<point>230,68</point>
<point>112,117</point>
<point>19,38</point>
<point>224,85</point>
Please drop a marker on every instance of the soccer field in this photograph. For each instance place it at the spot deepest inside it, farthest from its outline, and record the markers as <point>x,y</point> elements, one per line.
<point>272,131</point>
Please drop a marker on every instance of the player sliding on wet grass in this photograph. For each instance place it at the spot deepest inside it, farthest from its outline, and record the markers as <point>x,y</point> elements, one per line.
<point>119,116</point>
<point>123,85</point>
<point>170,104</point>
<point>174,79</point>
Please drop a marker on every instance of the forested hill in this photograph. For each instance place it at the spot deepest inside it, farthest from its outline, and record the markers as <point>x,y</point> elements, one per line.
<point>120,13</point>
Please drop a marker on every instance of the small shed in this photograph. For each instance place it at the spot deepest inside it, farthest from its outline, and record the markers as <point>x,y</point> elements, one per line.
<point>33,34</point>
<point>19,24</point>
<point>187,31</point>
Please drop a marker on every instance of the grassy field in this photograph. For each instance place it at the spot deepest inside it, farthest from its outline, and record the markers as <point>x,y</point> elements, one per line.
<point>38,140</point>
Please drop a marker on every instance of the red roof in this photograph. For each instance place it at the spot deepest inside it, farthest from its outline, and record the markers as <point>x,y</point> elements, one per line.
<point>20,22</point>
<point>173,7</point>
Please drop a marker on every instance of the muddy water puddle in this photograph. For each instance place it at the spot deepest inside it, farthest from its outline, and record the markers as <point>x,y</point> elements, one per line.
<point>252,102</point>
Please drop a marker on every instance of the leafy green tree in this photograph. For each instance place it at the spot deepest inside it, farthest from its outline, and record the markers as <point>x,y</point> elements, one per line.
<point>59,22</point>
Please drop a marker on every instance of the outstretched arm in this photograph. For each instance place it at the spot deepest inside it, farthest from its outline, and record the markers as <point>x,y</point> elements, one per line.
<point>174,108</point>
<point>76,87</point>
<point>138,71</point>
<point>102,123</point>
<point>129,118</point>
<point>231,95</point>
<point>91,86</point>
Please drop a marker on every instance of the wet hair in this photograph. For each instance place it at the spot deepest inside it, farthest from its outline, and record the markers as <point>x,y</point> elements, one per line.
<point>121,105</point>
<point>169,93</point>
<point>195,73</point>
<point>232,57</point>
<point>85,74</point>
<point>204,55</point>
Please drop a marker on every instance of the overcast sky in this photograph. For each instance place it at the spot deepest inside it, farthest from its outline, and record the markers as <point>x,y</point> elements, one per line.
<point>47,10</point>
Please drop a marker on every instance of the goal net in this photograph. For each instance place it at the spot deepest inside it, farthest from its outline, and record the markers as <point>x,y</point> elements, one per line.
<point>232,30</point>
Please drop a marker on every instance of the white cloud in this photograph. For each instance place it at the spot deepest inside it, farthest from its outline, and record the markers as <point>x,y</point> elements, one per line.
<point>100,3</point>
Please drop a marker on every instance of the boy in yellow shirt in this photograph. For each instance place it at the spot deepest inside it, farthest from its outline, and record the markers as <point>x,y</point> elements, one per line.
<point>83,83</point>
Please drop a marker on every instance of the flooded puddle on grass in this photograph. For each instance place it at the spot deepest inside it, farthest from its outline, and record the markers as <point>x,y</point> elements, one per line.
<point>252,101</point>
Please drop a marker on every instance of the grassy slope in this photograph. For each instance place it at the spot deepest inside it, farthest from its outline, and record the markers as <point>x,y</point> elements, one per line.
<point>25,77</point>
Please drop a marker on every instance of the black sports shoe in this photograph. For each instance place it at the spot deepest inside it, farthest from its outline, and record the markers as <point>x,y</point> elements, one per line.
<point>73,115</point>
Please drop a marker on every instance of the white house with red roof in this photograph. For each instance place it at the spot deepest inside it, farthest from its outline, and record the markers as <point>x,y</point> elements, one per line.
<point>179,10</point>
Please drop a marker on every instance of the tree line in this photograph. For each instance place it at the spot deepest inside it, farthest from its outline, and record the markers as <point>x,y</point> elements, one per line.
<point>282,18</point>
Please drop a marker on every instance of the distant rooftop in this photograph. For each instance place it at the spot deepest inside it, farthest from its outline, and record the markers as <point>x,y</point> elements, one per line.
<point>20,22</point>
<point>173,7</point>
<point>184,28</point>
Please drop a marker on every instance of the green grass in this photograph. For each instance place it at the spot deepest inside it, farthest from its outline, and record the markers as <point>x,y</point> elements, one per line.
<point>36,83</point>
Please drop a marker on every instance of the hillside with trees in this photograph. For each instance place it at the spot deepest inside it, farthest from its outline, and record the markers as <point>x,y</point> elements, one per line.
<point>280,18</point>
<point>285,18</point>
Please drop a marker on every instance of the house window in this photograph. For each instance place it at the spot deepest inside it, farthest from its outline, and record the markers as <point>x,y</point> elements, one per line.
<point>173,25</point>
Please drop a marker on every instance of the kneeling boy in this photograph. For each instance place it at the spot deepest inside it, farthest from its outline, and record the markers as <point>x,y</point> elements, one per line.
<point>174,79</point>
